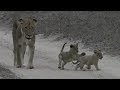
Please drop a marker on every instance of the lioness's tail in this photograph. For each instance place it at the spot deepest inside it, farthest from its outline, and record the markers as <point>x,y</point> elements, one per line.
<point>63,47</point>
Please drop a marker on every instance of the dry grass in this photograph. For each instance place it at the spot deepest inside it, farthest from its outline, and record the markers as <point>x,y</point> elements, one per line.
<point>95,29</point>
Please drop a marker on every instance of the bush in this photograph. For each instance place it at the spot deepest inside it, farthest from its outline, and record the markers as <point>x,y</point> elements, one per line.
<point>95,29</point>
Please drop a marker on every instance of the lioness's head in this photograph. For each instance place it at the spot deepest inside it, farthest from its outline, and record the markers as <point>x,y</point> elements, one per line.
<point>98,54</point>
<point>28,27</point>
<point>74,48</point>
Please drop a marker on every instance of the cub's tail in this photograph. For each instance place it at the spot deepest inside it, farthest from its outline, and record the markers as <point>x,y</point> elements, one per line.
<point>63,47</point>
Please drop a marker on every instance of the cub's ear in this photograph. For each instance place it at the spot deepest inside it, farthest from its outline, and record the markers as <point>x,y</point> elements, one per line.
<point>95,51</point>
<point>77,44</point>
<point>100,50</point>
<point>21,21</point>
<point>71,46</point>
<point>35,21</point>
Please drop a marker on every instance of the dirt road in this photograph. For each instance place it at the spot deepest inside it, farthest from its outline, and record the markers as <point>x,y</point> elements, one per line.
<point>46,61</point>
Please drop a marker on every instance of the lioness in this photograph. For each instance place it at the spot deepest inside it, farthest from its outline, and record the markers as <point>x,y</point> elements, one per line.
<point>89,60</point>
<point>65,57</point>
<point>23,35</point>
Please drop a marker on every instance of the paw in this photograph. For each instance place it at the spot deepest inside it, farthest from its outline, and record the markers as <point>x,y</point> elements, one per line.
<point>75,69</point>
<point>87,68</point>
<point>30,67</point>
<point>98,69</point>
<point>15,64</point>
<point>62,69</point>
<point>18,66</point>
<point>22,63</point>
<point>83,69</point>
<point>59,67</point>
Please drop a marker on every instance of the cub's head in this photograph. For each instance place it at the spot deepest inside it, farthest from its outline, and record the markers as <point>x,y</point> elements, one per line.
<point>74,48</point>
<point>28,27</point>
<point>98,54</point>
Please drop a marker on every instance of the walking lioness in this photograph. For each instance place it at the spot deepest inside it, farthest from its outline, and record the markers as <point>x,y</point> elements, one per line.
<point>23,35</point>
<point>65,57</point>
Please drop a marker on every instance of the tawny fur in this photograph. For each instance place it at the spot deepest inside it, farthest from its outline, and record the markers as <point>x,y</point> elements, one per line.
<point>65,57</point>
<point>23,35</point>
<point>89,60</point>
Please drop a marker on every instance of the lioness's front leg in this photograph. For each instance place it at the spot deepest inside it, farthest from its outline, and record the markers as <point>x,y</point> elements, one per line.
<point>15,57</point>
<point>19,63</point>
<point>23,53</point>
<point>31,55</point>
<point>14,47</point>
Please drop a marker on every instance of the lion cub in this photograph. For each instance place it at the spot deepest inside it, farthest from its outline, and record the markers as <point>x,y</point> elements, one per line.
<point>89,60</point>
<point>65,57</point>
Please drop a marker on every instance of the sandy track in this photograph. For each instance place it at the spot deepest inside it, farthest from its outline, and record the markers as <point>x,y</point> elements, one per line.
<point>46,61</point>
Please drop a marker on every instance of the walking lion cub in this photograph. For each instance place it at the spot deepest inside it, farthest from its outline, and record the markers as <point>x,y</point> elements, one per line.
<point>71,55</point>
<point>89,60</point>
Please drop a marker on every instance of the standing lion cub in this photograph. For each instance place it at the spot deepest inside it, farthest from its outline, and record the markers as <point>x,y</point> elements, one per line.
<point>65,57</point>
<point>69,56</point>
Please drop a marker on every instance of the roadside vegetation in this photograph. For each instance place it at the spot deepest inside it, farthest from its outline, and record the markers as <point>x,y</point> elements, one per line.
<point>95,29</point>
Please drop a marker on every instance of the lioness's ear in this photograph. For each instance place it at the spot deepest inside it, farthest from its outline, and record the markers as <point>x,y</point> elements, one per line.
<point>35,20</point>
<point>21,21</point>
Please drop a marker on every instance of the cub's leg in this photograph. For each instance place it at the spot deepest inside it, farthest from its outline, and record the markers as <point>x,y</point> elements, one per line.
<point>60,61</point>
<point>77,66</point>
<point>59,65</point>
<point>88,66</point>
<point>96,66</point>
<point>31,55</point>
<point>63,64</point>
<point>81,66</point>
